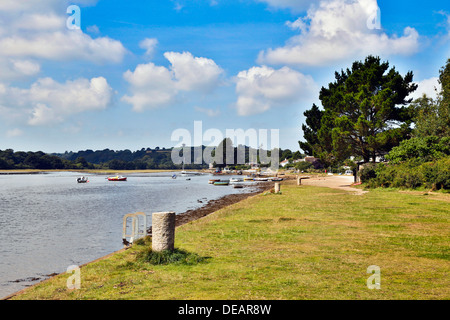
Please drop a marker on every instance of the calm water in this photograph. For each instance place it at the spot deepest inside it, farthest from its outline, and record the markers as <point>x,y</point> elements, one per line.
<point>49,222</point>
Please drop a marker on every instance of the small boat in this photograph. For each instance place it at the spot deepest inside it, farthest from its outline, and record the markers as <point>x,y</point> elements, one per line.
<point>236,180</point>
<point>117,178</point>
<point>82,180</point>
<point>275,179</point>
<point>237,186</point>
<point>174,176</point>
<point>248,179</point>
<point>261,179</point>
<point>213,180</point>
<point>222,183</point>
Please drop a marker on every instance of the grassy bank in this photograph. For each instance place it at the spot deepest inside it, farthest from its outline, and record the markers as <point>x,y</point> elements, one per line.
<point>306,243</point>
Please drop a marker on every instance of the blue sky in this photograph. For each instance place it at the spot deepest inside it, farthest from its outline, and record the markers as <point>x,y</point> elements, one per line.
<point>138,70</point>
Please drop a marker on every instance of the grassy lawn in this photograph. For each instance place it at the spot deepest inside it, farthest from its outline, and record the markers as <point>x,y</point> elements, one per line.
<point>307,243</point>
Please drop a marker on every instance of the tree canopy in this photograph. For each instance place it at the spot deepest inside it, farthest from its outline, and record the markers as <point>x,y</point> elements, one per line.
<point>365,113</point>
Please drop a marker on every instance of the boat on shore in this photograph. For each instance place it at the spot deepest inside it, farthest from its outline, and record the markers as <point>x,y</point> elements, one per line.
<point>275,179</point>
<point>248,179</point>
<point>117,178</point>
<point>260,179</point>
<point>211,181</point>
<point>237,186</point>
<point>232,180</point>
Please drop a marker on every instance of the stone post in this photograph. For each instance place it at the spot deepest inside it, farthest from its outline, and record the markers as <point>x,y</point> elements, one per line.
<point>163,231</point>
<point>299,180</point>
<point>277,187</point>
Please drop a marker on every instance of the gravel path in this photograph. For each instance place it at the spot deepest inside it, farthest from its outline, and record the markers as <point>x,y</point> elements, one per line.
<point>335,182</point>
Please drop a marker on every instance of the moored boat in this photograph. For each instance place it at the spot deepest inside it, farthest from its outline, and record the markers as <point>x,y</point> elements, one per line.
<point>117,178</point>
<point>236,180</point>
<point>248,179</point>
<point>211,181</point>
<point>222,183</point>
<point>82,180</point>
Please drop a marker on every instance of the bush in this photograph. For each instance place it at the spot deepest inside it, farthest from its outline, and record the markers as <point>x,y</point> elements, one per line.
<point>368,172</point>
<point>411,175</point>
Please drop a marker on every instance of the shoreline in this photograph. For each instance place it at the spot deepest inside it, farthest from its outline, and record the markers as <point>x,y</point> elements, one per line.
<point>183,218</point>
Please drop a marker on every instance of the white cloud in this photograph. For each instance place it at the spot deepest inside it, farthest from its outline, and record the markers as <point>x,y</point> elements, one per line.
<point>261,88</point>
<point>194,73</point>
<point>208,112</point>
<point>26,67</point>
<point>151,87</point>
<point>14,133</point>
<point>37,30</point>
<point>154,86</point>
<point>431,87</point>
<point>336,30</point>
<point>48,101</point>
<point>149,45</point>
<point>63,46</point>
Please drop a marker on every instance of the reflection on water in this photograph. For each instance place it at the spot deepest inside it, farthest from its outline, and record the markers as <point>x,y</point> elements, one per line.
<point>49,221</point>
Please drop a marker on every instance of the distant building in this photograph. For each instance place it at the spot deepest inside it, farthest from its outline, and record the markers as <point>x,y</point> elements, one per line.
<point>284,162</point>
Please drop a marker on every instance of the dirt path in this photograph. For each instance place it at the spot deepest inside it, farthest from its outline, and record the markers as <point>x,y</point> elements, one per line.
<point>335,182</point>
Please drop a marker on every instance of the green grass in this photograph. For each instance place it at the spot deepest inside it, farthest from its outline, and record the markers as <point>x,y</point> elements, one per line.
<point>307,243</point>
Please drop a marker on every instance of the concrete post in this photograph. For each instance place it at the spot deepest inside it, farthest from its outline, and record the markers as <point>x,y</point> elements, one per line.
<point>299,181</point>
<point>277,187</point>
<point>163,231</point>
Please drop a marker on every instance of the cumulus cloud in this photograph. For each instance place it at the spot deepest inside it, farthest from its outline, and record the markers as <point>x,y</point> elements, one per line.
<point>47,101</point>
<point>149,45</point>
<point>151,87</point>
<point>431,87</point>
<point>336,30</point>
<point>154,86</point>
<point>207,111</point>
<point>14,133</point>
<point>35,30</point>
<point>194,73</point>
<point>261,88</point>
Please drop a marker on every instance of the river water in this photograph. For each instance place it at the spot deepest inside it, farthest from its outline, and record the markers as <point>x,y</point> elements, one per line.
<point>49,222</point>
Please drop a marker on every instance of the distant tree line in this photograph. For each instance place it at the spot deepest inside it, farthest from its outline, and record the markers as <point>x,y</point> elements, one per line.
<point>145,158</point>
<point>36,160</point>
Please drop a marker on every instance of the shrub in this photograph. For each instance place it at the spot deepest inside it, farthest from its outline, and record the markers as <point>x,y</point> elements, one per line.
<point>368,172</point>
<point>411,175</point>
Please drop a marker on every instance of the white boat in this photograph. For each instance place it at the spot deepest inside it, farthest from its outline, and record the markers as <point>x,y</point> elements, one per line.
<point>275,179</point>
<point>236,180</point>
<point>261,179</point>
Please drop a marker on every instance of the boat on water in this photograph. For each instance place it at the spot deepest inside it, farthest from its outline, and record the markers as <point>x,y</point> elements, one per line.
<point>117,178</point>
<point>82,180</point>
<point>211,181</point>
<point>236,180</point>
<point>222,183</point>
